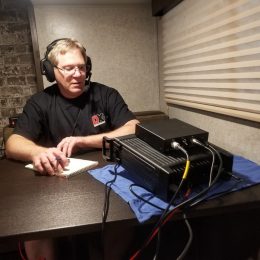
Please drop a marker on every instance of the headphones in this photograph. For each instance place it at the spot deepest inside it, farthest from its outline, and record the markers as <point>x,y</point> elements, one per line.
<point>47,68</point>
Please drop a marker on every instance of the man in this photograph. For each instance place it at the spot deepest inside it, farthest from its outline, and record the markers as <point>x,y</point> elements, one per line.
<point>72,115</point>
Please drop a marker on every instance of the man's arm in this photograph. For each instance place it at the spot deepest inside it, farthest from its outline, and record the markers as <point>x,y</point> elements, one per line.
<point>21,148</point>
<point>72,143</point>
<point>44,159</point>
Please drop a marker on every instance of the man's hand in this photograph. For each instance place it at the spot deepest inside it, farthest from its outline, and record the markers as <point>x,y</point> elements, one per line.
<point>69,145</point>
<point>50,162</point>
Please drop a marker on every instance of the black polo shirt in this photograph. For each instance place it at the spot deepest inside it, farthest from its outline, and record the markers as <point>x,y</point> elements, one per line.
<point>48,117</point>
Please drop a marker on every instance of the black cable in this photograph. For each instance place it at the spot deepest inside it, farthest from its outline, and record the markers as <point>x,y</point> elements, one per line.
<point>188,244</point>
<point>184,252</point>
<point>162,217</point>
<point>176,146</point>
<point>141,198</point>
<point>217,175</point>
<point>203,192</point>
<point>106,206</point>
<point>188,202</point>
<point>75,123</point>
<point>146,201</point>
<point>195,141</point>
<point>107,195</point>
<point>157,250</point>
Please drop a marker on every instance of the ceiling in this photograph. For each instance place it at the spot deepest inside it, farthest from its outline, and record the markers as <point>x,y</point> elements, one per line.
<point>75,2</point>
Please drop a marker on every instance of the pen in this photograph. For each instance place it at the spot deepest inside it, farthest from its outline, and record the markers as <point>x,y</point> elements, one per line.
<point>59,159</point>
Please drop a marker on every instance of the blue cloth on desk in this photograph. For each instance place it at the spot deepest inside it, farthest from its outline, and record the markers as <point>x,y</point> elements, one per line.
<point>247,173</point>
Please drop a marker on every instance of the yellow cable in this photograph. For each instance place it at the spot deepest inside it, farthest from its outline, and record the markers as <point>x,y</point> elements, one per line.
<point>186,169</point>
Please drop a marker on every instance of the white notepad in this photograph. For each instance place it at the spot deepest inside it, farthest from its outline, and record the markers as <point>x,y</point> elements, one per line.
<point>75,166</point>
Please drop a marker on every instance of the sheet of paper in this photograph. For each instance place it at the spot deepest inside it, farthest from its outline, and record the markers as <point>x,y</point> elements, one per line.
<point>75,166</point>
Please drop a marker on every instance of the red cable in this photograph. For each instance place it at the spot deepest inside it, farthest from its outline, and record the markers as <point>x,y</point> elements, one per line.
<point>135,255</point>
<point>20,251</point>
<point>23,257</point>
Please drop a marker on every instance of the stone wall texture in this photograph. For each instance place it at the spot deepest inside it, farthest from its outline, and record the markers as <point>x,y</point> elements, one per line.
<point>17,70</point>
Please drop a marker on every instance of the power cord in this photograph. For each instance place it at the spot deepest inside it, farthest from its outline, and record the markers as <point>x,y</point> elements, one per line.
<point>195,141</point>
<point>218,172</point>
<point>21,251</point>
<point>108,187</point>
<point>187,203</point>
<point>176,146</point>
<point>194,200</point>
<point>161,221</point>
<point>141,198</point>
<point>188,244</point>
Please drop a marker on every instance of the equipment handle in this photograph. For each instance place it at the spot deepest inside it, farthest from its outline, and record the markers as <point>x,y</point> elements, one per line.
<point>107,146</point>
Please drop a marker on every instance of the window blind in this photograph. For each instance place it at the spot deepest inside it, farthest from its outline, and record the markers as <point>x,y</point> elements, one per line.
<point>211,56</point>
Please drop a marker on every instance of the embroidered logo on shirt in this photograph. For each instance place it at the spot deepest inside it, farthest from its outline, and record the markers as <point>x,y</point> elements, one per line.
<point>98,119</point>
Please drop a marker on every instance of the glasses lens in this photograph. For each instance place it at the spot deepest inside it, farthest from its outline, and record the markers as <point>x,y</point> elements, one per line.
<point>71,70</point>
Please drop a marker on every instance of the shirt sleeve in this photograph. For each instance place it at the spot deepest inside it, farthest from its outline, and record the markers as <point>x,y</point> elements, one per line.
<point>29,123</point>
<point>119,112</point>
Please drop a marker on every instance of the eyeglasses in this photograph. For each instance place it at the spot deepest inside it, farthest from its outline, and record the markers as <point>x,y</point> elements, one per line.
<point>70,70</point>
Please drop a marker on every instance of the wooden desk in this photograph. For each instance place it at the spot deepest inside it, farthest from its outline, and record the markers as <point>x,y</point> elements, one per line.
<point>34,207</point>
<point>40,206</point>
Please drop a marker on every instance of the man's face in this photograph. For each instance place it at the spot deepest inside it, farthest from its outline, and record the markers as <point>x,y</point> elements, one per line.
<point>70,73</point>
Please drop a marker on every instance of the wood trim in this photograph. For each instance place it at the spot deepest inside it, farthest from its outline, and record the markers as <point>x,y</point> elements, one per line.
<point>35,45</point>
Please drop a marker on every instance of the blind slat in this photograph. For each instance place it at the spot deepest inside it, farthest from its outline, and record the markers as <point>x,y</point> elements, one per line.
<point>226,111</point>
<point>213,85</point>
<point>229,65</point>
<point>211,48</point>
<point>244,75</point>
<point>243,106</point>
<point>170,61</point>
<point>211,56</point>
<point>211,93</point>
<point>208,25</point>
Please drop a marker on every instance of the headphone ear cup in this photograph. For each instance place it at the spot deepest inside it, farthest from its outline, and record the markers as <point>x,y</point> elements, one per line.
<point>89,65</point>
<point>88,69</point>
<point>47,70</point>
<point>46,66</point>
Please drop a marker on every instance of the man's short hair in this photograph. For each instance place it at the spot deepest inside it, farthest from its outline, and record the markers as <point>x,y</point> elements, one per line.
<point>63,46</point>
